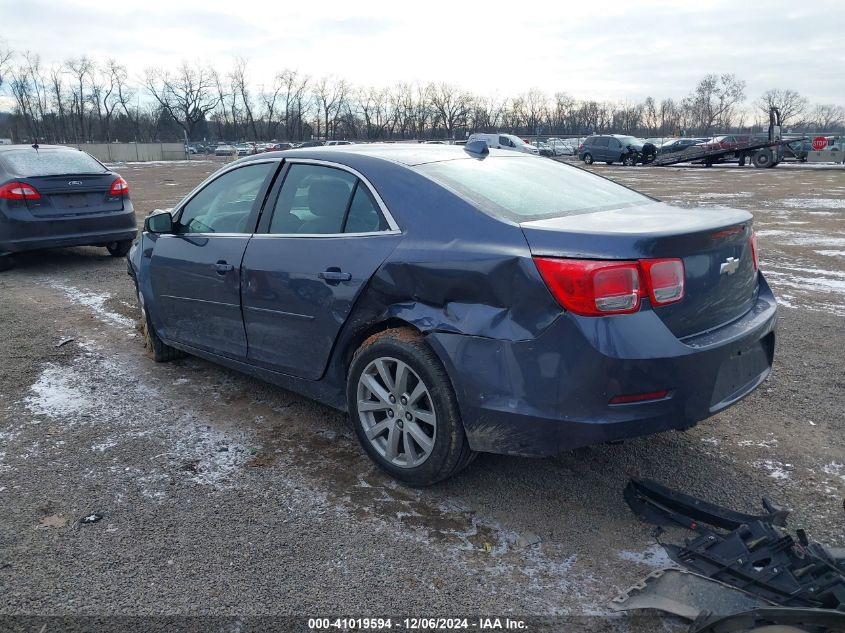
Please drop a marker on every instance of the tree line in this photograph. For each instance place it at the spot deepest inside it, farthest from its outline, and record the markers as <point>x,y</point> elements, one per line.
<point>85,100</point>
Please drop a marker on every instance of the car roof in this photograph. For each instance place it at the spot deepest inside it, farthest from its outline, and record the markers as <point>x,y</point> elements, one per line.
<point>18,146</point>
<point>403,153</point>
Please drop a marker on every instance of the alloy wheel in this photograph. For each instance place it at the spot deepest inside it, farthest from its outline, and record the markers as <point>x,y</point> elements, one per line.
<point>396,412</point>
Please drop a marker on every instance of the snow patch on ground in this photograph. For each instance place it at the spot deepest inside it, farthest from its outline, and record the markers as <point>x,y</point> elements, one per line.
<point>814,203</point>
<point>717,195</point>
<point>835,469</point>
<point>57,394</point>
<point>832,253</point>
<point>775,469</point>
<point>653,556</point>
<point>96,302</point>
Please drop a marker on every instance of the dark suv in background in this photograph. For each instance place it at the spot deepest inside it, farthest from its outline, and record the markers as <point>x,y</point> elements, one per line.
<point>611,148</point>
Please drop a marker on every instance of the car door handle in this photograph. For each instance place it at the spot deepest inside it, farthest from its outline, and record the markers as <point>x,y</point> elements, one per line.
<point>222,267</point>
<point>334,275</point>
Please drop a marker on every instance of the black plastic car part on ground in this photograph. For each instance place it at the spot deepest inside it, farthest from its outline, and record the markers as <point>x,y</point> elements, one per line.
<point>52,196</point>
<point>757,555</point>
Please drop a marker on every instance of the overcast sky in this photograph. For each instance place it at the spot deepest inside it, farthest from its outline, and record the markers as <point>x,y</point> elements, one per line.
<point>599,49</point>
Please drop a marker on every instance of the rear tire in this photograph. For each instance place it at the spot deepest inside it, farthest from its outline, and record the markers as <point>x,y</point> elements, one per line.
<point>6,262</point>
<point>588,159</point>
<point>763,158</point>
<point>119,249</point>
<point>158,350</point>
<point>404,410</point>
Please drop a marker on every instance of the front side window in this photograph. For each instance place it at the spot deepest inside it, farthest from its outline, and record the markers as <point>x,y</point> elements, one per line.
<point>225,204</point>
<point>504,140</point>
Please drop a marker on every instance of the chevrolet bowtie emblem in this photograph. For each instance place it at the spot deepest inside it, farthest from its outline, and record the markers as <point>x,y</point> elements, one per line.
<point>729,266</point>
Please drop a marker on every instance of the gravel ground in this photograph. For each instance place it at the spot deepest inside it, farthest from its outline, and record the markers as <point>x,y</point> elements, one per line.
<point>222,495</point>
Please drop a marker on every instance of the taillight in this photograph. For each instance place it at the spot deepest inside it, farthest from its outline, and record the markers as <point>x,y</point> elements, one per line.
<point>590,287</point>
<point>119,187</point>
<point>19,191</point>
<point>596,287</point>
<point>664,280</point>
<point>752,241</point>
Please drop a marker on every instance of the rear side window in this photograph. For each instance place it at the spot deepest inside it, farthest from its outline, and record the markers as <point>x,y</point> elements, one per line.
<point>523,189</point>
<point>49,162</point>
<point>318,200</point>
<point>601,142</point>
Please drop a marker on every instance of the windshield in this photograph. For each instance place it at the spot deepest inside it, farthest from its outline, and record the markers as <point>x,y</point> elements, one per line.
<point>629,140</point>
<point>49,162</point>
<point>523,189</point>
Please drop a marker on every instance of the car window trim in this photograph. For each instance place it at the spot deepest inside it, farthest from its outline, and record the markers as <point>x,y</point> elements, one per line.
<point>176,213</point>
<point>393,227</point>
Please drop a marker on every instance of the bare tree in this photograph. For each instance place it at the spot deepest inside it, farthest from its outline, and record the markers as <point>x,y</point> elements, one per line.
<point>240,88</point>
<point>79,69</point>
<point>6,54</point>
<point>187,97</point>
<point>331,95</point>
<point>451,105</point>
<point>791,104</point>
<point>828,117</point>
<point>713,101</point>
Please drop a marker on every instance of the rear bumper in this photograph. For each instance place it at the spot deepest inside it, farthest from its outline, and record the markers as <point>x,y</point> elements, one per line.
<point>552,393</point>
<point>18,234</point>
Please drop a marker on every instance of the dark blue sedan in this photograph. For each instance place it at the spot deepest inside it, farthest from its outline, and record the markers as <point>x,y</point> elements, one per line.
<point>53,196</point>
<point>460,300</point>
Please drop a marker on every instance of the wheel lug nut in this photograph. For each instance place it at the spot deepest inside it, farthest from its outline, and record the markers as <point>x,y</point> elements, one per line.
<point>392,399</point>
<point>409,417</point>
<point>403,400</point>
<point>390,413</point>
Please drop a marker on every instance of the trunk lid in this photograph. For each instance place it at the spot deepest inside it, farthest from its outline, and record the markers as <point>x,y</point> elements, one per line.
<point>714,244</point>
<point>68,195</point>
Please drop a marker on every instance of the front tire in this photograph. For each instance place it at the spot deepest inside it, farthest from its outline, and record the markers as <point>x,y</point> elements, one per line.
<point>588,159</point>
<point>629,161</point>
<point>404,410</point>
<point>119,249</point>
<point>158,350</point>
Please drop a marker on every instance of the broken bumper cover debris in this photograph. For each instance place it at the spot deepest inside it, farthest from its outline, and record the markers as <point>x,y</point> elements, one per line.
<point>579,382</point>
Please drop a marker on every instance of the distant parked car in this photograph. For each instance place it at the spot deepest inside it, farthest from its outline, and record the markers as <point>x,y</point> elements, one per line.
<point>434,142</point>
<point>58,196</point>
<point>277,147</point>
<point>728,141</point>
<point>679,145</point>
<point>310,144</point>
<point>330,143</point>
<point>545,149</point>
<point>611,148</point>
<point>504,141</point>
<point>190,149</point>
<point>225,150</point>
<point>561,147</point>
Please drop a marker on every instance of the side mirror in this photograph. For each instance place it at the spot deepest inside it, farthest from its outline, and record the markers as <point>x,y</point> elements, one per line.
<point>159,223</point>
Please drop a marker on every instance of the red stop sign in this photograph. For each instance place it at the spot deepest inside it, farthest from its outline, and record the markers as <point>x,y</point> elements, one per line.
<point>819,143</point>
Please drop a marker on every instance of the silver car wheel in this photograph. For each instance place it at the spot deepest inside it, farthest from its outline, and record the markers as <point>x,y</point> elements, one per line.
<point>396,412</point>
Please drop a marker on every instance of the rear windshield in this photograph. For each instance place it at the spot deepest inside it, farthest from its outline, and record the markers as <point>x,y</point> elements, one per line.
<point>49,162</point>
<point>524,189</point>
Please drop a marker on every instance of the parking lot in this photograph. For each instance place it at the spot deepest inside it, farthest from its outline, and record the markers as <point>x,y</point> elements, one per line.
<point>220,493</point>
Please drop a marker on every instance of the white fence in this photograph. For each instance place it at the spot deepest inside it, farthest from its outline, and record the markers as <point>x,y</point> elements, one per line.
<point>134,152</point>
